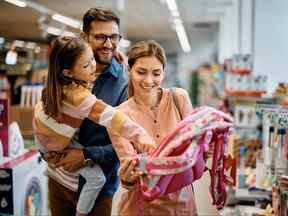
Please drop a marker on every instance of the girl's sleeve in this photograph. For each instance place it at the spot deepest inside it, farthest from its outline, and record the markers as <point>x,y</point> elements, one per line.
<point>124,149</point>
<point>49,134</point>
<point>83,104</point>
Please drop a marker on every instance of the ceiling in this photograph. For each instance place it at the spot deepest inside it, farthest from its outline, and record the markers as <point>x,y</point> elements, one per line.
<point>140,19</point>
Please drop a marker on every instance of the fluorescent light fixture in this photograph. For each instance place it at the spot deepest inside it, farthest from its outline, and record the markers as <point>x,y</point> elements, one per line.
<point>175,13</point>
<point>182,37</point>
<point>17,3</point>
<point>172,5</point>
<point>178,25</point>
<point>124,43</point>
<point>18,43</point>
<point>67,20</point>
<point>30,45</point>
<point>177,22</point>
<point>56,31</point>
<point>2,40</point>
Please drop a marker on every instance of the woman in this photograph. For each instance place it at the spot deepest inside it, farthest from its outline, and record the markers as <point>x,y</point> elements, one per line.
<point>154,109</point>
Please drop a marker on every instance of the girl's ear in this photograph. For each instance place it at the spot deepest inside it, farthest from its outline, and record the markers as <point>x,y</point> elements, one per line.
<point>67,73</point>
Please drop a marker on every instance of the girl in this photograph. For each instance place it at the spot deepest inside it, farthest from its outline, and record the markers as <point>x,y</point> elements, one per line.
<point>66,101</point>
<point>153,107</point>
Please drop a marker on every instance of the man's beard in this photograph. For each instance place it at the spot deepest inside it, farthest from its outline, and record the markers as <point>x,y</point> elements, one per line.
<point>102,61</point>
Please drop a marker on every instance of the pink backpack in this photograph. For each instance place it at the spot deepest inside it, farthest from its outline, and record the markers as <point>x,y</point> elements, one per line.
<point>179,159</point>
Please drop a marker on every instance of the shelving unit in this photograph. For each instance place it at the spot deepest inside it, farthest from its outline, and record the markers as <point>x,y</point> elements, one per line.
<point>276,116</point>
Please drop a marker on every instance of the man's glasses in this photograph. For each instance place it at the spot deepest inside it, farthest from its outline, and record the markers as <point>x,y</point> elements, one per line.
<point>102,38</point>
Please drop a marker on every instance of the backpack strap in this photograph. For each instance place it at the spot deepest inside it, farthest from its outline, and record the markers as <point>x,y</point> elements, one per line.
<point>175,101</point>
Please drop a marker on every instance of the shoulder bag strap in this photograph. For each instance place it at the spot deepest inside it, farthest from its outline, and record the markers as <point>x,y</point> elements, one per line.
<point>175,100</point>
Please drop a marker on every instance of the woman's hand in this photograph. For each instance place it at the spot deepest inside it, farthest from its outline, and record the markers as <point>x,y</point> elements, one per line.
<point>128,172</point>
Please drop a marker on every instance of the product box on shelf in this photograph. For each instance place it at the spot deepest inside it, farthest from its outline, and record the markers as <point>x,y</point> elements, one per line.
<point>23,116</point>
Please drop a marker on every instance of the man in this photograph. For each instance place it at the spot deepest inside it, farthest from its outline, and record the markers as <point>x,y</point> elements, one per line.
<point>101,31</point>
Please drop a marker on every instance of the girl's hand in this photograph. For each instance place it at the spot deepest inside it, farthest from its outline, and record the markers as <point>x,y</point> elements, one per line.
<point>127,171</point>
<point>72,161</point>
<point>121,58</point>
<point>53,158</point>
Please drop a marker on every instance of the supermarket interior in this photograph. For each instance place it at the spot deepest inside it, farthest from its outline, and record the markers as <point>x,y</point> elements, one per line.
<point>227,154</point>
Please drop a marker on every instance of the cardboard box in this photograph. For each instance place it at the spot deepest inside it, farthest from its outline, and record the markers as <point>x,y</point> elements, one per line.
<point>23,116</point>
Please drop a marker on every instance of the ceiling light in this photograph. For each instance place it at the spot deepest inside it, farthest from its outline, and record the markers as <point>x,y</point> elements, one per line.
<point>18,43</point>
<point>178,25</point>
<point>17,3</point>
<point>172,5</point>
<point>182,37</point>
<point>177,21</point>
<point>67,20</point>
<point>175,13</point>
<point>30,45</point>
<point>56,31</point>
<point>2,40</point>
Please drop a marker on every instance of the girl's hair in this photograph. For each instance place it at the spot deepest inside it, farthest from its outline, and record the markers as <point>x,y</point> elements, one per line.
<point>149,48</point>
<point>65,52</point>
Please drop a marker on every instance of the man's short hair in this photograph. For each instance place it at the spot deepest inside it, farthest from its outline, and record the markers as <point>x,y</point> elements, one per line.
<point>98,14</point>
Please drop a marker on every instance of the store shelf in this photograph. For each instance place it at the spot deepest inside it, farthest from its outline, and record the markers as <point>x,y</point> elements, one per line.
<point>246,195</point>
<point>252,99</point>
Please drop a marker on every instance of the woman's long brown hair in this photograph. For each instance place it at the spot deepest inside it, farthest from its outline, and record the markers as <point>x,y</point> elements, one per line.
<point>149,48</point>
<point>65,52</point>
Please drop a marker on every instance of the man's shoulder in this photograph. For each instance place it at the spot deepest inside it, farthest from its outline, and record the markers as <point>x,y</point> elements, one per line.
<point>118,70</point>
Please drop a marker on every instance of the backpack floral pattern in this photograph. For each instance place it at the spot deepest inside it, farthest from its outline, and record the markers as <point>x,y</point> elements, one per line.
<point>179,159</point>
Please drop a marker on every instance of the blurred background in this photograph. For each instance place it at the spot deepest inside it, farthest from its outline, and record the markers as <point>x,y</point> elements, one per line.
<point>229,54</point>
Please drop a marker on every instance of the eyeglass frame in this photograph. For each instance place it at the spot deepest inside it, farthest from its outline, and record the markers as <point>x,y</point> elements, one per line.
<point>107,37</point>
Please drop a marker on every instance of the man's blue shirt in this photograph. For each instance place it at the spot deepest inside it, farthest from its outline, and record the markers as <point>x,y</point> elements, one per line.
<point>111,87</point>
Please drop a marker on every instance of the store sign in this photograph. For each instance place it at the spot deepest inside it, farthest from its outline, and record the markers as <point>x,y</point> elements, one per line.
<point>6,192</point>
<point>4,174</point>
